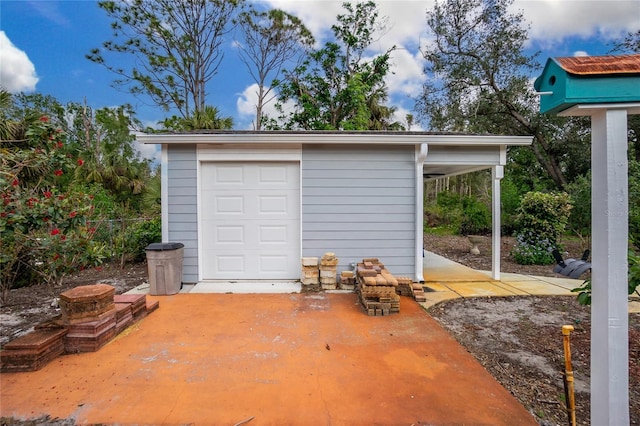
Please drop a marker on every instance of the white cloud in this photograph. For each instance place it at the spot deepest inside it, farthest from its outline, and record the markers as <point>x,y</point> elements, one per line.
<point>246,106</point>
<point>247,101</point>
<point>400,115</point>
<point>553,20</point>
<point>50,11</point>
<point>151,152</point>
<point>407,73</point>
<point>17,73</point>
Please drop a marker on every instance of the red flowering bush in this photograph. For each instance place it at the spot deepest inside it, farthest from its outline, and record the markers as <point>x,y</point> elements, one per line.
<point>43,222</point>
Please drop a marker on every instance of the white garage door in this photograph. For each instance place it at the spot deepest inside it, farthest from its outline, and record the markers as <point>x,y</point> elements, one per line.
<point>250,220</point>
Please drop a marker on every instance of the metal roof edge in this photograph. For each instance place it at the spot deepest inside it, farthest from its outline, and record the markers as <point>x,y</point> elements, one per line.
<point>292,137</point>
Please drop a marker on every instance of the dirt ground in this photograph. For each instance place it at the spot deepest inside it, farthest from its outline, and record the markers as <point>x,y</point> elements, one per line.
<point>517,339</point>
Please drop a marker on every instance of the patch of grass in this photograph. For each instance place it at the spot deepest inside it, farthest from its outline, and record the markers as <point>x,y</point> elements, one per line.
<point>440,230</point>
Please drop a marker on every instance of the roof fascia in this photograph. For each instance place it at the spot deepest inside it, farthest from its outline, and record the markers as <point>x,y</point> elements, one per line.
<point>390,138</point>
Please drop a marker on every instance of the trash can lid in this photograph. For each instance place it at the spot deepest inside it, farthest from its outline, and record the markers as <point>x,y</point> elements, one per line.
<point>164,246</point>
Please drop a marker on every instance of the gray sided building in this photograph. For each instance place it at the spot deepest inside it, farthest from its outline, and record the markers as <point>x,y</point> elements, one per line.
<point>249,205</point>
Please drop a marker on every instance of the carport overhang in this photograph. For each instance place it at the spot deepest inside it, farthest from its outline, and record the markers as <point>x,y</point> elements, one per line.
<point>437,155</point>
<point>449,155</point>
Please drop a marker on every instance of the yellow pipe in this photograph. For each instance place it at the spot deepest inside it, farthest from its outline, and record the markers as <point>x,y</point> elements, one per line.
<point>568,375</point>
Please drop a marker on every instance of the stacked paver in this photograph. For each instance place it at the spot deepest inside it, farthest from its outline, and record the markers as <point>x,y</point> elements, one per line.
<point>377,288</point>
<point>329,271</point>
<point>91,316</point>
<point>310,274</point>
<point>406,287</point>
<point>347,280</point>
<point>32,351</point>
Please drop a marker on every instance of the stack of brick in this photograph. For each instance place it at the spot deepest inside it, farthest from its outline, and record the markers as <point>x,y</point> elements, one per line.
<point>91,336</point>
<point>89,313</point>
<point>329,271</point>
<point>91,316</point>
<point>138,303</point>
<point>377,288</point>
<point>310,274</point>
<point>418,292</point>
<point>124,316</point>
<point>32,351</point>
<point>406,287</point>
<point>347,280</point>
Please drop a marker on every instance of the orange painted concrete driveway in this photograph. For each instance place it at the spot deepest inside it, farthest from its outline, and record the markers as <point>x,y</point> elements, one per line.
<point>277,359</point>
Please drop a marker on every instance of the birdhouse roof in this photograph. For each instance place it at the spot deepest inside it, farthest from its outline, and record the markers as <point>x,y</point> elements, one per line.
<point>599,65</point>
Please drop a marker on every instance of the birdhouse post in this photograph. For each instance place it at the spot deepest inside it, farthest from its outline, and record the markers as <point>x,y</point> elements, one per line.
<point>606,88</point>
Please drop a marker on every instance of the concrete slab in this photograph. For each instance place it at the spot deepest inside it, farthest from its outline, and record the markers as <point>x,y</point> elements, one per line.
<point>440,269</point>
<point>567,283</point>
<point>433,298</point>
<point>278,359</point>
<point>479,289</point>
<point>434,286</point>
<point>512,289</point>
<point>246,287</point>
<point>539,288</point>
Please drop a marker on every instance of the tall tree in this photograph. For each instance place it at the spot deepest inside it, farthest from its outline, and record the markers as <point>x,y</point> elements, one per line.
<point>269,40</point>
<point>106,145</point>
<point>479,79</point>
<point>176,44</point>
<point>336,87</point>
<point>631,44</point>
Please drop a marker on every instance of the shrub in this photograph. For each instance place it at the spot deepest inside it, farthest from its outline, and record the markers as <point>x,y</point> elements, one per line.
<point>584,291</point>
<point>141,235</point>
<point>540,222</point>
<point>634,203</point>
<point>531,249</point>
<point>463,215</point>
<point>43,221</point>
<point>580,217</point>
<point>476,217</point>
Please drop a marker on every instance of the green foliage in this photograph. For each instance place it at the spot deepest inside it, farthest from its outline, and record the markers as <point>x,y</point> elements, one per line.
<point>43,220</point>
<point>207,118</point>
<point>271,39</point>
<point>540,222</point>
<point>533,249</point>
<point>458,214</point>
<point>585,290</point>
<point>476,217</point>
<point>138,236</point>
<point>580,192</point>
<point>178,49</point>
<point>479,80</point>
<point>634,202</point>
<point>335,87</point>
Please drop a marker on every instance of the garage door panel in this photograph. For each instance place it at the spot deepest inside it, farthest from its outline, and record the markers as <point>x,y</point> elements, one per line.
<point>230,264</point>
<point>250,220</point>
<point>228,204</point>
<point>229,234</point>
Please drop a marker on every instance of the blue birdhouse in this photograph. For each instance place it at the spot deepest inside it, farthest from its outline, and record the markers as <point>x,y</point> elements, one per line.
<point>566,82</point>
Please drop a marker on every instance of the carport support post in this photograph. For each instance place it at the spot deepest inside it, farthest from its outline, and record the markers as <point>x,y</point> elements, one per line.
<point>497,173</point>
<point>610,230</point>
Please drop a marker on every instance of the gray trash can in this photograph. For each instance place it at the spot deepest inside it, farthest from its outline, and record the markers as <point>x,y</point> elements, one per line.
<point>164,262</point>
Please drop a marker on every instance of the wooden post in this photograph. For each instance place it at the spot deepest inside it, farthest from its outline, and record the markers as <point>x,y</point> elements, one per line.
<point>609,309</point>
<point>497,173</point>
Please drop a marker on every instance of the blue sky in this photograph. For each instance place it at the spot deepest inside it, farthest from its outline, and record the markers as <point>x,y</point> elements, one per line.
<point>43,46</point>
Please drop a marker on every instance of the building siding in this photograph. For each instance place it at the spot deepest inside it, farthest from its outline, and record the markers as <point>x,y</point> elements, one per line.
<point>360,202</point>
<point>182,205</point>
